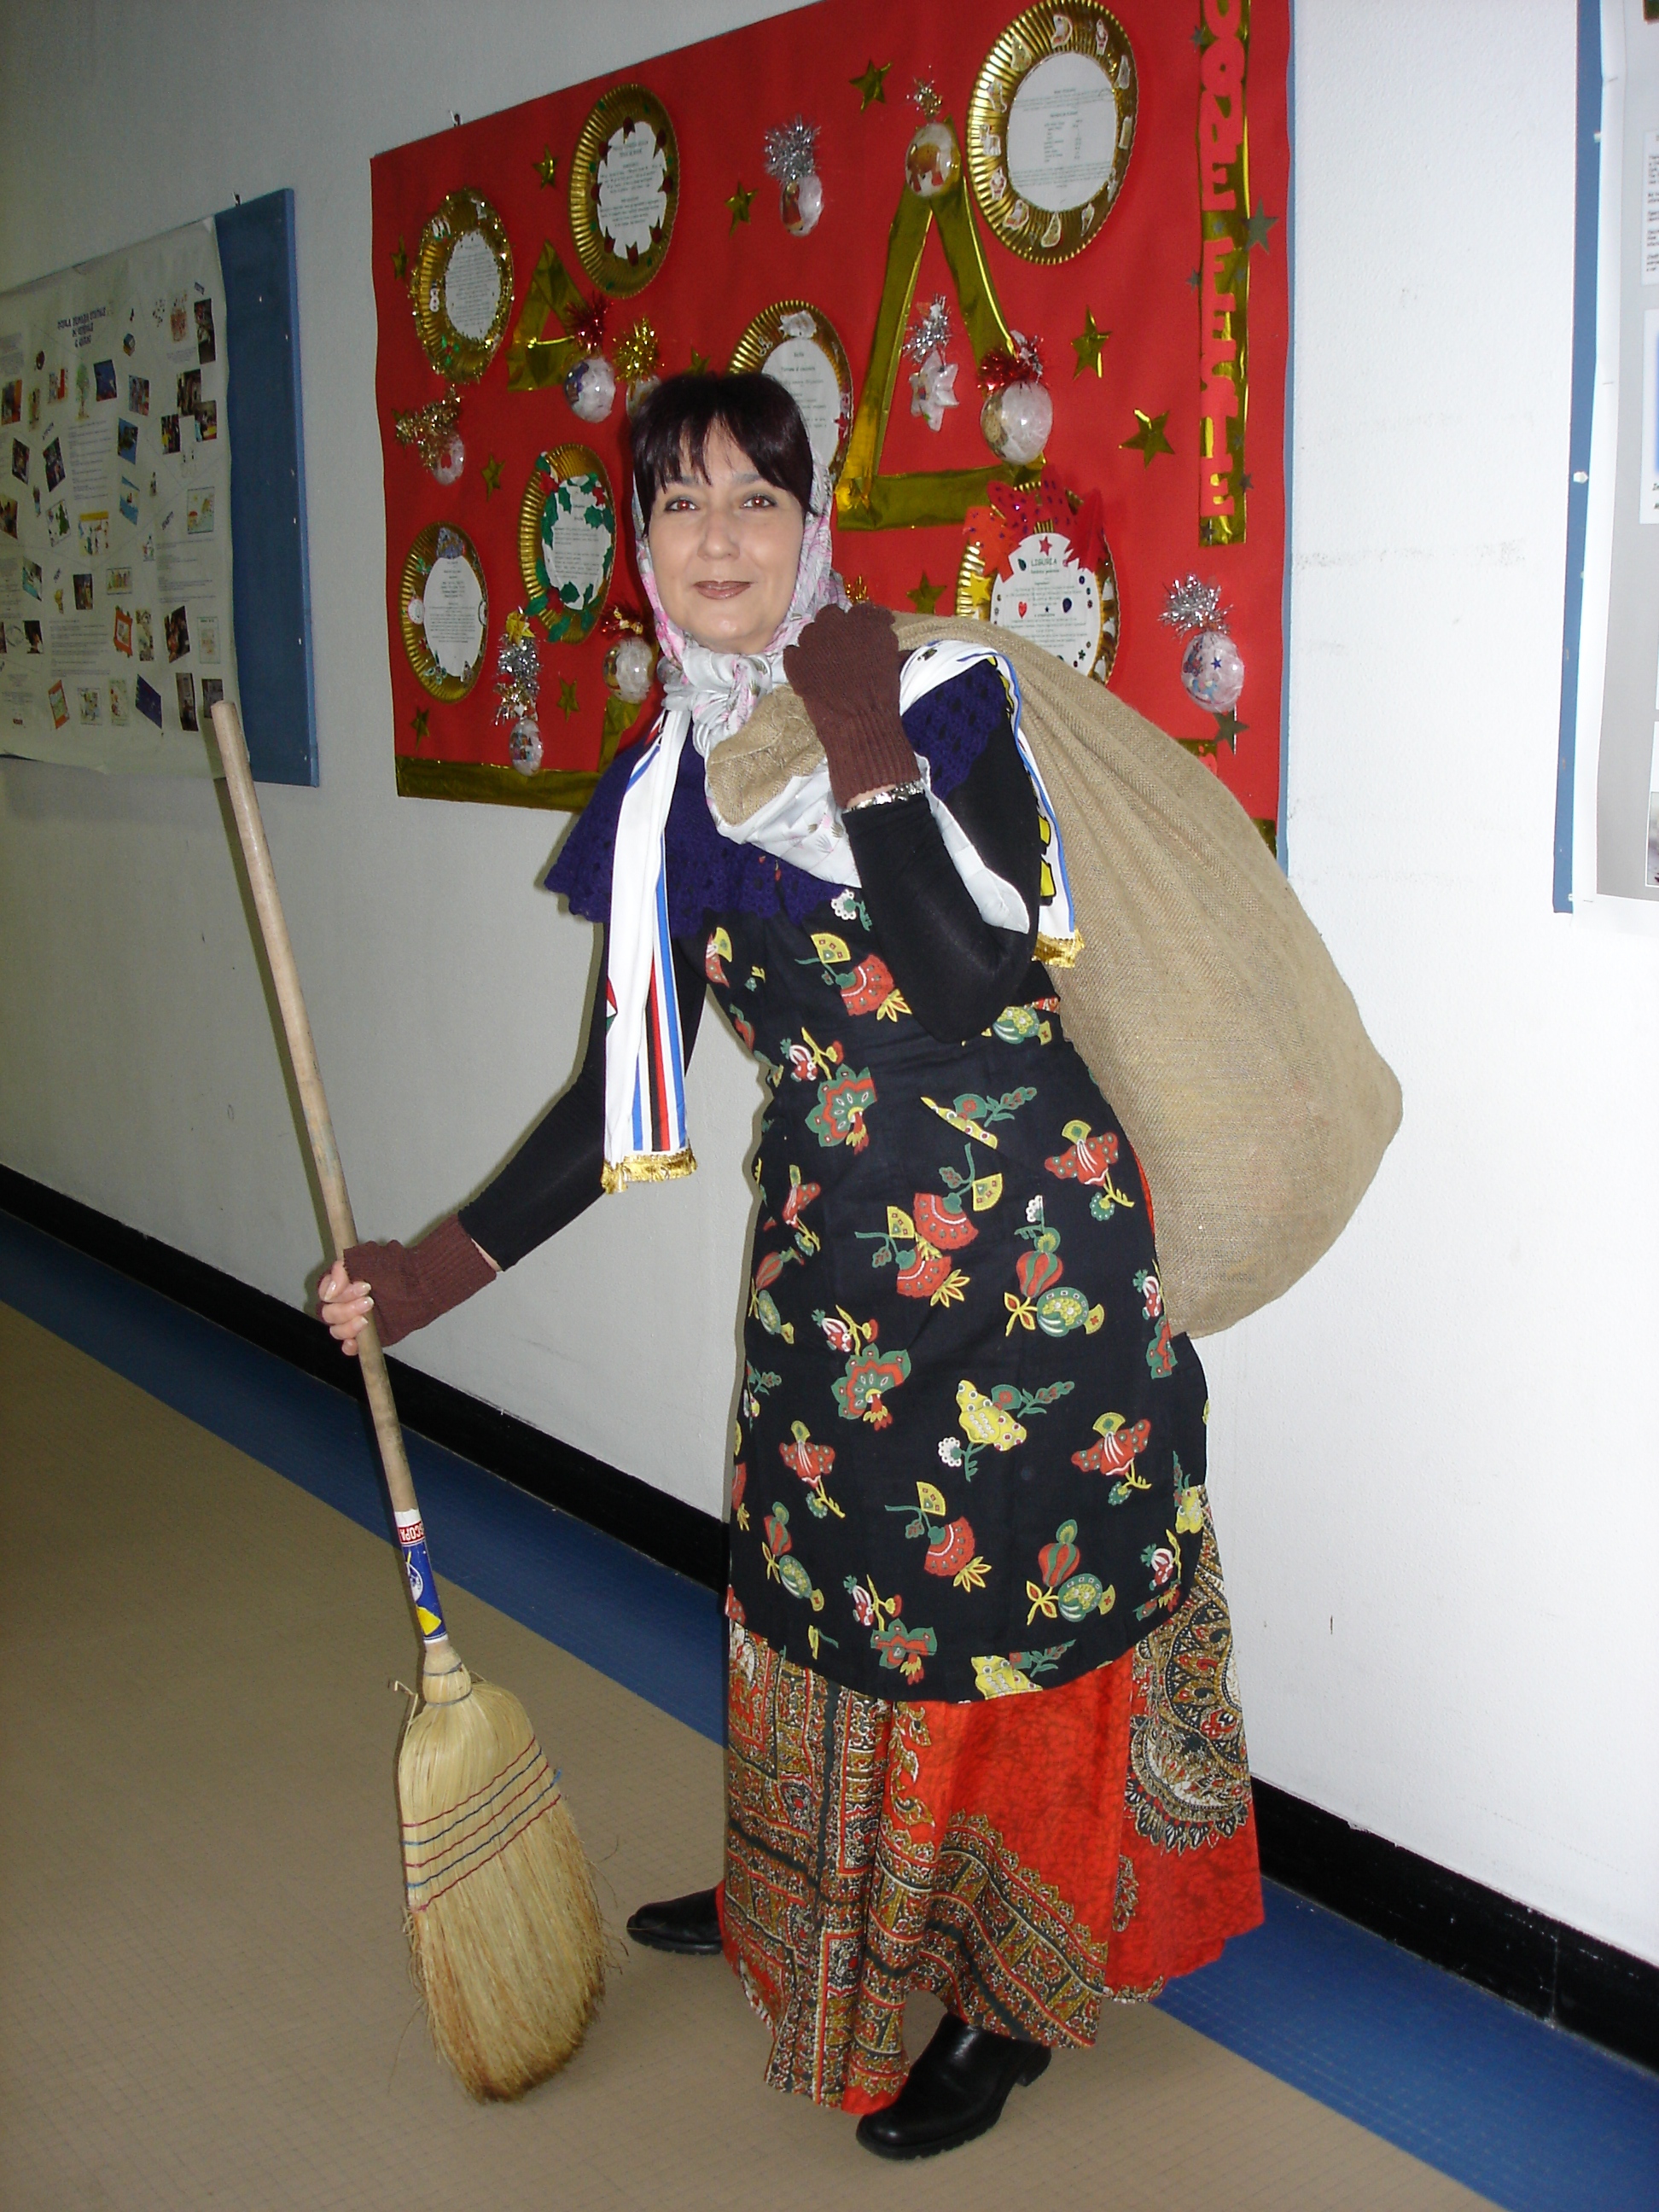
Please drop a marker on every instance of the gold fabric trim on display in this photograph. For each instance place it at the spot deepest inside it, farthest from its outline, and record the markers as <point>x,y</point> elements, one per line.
<point>534,360</point>
<point>569,788</point>
<point>646,1167</point>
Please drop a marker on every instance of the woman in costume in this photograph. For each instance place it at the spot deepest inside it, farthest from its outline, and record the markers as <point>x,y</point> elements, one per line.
<point>983,1734</point>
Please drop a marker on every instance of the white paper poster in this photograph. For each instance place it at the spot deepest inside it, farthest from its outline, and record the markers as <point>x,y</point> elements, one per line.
<point>115,606</point>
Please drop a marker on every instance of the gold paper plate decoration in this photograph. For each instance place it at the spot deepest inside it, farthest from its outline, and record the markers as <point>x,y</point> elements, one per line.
<point>444,626</point>
<point>797,344</point>
<point>568,541</point>
<point>462,287</point>
<point>624,189</point>
<point>1050,125</point>
<point>1038,601</point>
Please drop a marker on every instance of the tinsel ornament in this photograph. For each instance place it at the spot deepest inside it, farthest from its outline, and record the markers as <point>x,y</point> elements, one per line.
<point>637,360</point>
<point>518,682</point>
<point>932,161</point>
<point>790,155</point>
<point>1018,413</point>
<point>431,431</point>
<point>933,330</point>
<point>1212,666</point>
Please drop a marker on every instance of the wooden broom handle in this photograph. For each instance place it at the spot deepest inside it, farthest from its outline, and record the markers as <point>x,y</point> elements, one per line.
<point>302,1054</point>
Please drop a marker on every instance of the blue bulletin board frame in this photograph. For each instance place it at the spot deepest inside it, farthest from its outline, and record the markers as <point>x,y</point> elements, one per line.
<point>271,576</point>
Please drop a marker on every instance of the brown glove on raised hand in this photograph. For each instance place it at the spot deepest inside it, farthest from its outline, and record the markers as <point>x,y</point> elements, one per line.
<point>845,670</point>
<point>414,1286</point>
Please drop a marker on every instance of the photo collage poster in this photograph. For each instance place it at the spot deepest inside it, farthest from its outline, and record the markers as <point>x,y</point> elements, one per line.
<point>115,557</point>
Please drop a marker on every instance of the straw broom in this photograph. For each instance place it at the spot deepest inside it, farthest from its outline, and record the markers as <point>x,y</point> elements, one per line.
<point>506,1942</point>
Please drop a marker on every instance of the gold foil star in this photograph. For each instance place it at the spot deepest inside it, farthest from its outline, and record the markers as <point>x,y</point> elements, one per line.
<point>872,85</point>
<point>1256,229</point>
<point>418,725</point>
<point>740,204</point>
<point>491,473</point>
<point>1229,729</point>
<point>1149,439</point>
<point>699,361</point>
<point>1089,345</point>
<point>567,696</point>
<point>399,261</point>
<point>548,167</point>
<point>926,597</point>
<point>857,592</point>
<point>979,591</point>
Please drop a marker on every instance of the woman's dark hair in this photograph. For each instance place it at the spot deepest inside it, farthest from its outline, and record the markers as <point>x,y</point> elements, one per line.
<point>671,427</point>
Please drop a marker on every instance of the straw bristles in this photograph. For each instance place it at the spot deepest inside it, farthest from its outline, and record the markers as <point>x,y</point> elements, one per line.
<point>506,1942</point>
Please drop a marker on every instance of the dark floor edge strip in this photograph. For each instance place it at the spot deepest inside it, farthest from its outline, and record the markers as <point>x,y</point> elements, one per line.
<point>1554,1971</point>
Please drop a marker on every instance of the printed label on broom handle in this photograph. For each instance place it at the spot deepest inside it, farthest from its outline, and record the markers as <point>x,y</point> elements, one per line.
<point>411,1535</point>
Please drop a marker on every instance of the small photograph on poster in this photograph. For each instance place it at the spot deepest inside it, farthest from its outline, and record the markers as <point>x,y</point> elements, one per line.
<point>121,634</point>
<point>138,394</point>
<point>179,318</point>
<point>177,635</point>
<point>129,499</point>
<point>32,636</point>
<point>56,387</point>
<point>11,400</point>
<point>8,517</point>
<point>148,700</point>
<point>120,701</point>
<point>207,420</point>
<point>58,523</point>
<point>207,640</point>
<point>117,580</point>
<point>20,460</point>
<point>58,704</point>
<point>32,579</point>
<point>104,376</point>
<point>52,454</point>
<point>198,512</point>
<point>189,391</point>
<point>144,632</point>
<point>204,352</point>
<point>94,532</point>
<point>188,703</point>
<point>83,595</point>
<point>34,407</point>
<point>126,439</point>
<point>169,434</point>
<point>89,702</point>
<point>213,691</point>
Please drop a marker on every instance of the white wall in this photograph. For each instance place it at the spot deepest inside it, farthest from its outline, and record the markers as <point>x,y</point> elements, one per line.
<point>1434,1461</point>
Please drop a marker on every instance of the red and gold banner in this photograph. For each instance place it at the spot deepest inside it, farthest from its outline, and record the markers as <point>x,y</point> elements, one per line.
<point>919,213</point>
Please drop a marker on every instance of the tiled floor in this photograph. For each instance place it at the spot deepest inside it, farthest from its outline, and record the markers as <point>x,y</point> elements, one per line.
<point>205,1992</point>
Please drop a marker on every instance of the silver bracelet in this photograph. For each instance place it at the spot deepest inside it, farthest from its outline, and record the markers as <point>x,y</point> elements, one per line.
<point>888,797</point>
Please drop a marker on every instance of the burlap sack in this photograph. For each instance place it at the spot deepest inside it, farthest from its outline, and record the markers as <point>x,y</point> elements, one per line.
<point>1204,1001</point>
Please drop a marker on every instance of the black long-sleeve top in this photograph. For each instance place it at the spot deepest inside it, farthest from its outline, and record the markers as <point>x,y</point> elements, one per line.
<point>955,971</point>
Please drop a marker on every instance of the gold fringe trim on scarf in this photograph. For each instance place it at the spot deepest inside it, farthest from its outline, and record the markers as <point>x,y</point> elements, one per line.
<point>1058,951</point>
<point>646,1167</point>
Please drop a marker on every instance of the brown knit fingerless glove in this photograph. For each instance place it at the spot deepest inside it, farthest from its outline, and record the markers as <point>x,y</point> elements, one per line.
<point>412,1287</point>
<point>845,670</point>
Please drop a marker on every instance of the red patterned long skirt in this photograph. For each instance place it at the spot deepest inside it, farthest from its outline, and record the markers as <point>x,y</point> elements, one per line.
<point>1023,1860</point>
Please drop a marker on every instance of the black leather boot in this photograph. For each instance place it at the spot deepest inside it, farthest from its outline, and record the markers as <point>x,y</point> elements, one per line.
<point>955,2091</point>
<point>689,1925</point>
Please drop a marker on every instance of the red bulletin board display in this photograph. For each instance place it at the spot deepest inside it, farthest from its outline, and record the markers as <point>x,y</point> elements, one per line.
<point>1159,307</point>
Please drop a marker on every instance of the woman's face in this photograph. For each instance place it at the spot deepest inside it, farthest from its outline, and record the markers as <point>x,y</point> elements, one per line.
<point>726,552</point>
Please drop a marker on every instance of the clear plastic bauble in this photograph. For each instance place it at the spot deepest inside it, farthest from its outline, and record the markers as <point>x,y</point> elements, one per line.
<point>629,668</point>
<point>641,390</point>
<point>1016,422</point>
<point>450,462</point>
<point>932,161</point>
<point>524,746</point>
<point>803,203</point>
<point>1212,671</point>
<point>591,388</point>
